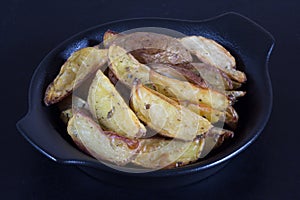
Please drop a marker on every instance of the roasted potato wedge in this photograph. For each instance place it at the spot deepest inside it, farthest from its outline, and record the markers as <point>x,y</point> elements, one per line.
<point>205,111</point>
<point>234,94</point>
<point>72,101</point>
<point>179,73</point>
<point>110,109</point>
<point>157,153</point>
<point>232,117</point>
<point>66,115</point>
<point>68,104</point>
<point>108,38</point>
<point>183,90</point>
<point>214,138</point>
<point>212,53</point>
<point>149,47</point>
<point>190,155</point>
<point>111,76</point>
<point>107,146</point>
<point>213,77</point>
<point>74,71</point>
<point>165,115</point>
<point>125,67</point>
<point>199,74</point>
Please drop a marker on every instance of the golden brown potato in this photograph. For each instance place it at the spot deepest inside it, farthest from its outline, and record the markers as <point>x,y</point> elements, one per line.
<point>106,146</point>
<point>110,109</point>
<point>74,71</point>
<point>157,153</point>
<point>234,94</point>
<point>108,37</point>
<point>165,115</point>
<point>149,47</point>
<point>183,90</point>
<point>232,117</point>
<point>125,67</point>
<point>212,53</point>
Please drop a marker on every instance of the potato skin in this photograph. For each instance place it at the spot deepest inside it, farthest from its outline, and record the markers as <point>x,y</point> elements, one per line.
<point>149,47</point>
<point>183,90</point>
<point>165,115</point>
<point>110,109</point>
<point>157,153</point>
<point>205,111</point>
<point>107,146</point>
<point>73,72</point>
<point>212,53</point>
<point>214,138</point>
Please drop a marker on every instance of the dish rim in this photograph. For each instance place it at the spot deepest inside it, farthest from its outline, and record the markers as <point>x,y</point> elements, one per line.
<point>192,168</point>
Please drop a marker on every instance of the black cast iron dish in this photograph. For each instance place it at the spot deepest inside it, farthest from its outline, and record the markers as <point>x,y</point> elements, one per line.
<point>247,41</point>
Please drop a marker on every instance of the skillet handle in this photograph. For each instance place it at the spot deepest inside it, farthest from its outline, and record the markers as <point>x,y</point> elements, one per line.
<point>47,140</point>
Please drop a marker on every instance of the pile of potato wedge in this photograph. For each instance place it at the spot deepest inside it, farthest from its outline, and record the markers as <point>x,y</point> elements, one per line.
<point>180,108</point>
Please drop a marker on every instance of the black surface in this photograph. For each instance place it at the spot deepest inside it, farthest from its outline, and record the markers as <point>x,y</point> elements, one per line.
<point>231,30</point>
<point>30,29</point>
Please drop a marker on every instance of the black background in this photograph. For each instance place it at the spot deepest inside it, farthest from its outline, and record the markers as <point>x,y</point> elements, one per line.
<point>269,169</point>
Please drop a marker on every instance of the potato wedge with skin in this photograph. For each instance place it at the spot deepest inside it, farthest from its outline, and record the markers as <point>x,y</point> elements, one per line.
<point>157,153</point>
<point>183,90</point>
<point>214,138</point>
<point>190,155</point>
<point>200,74</point>
<point>178,73</point>
<point>108,38</point>
<point>234,94</point>
<point>232,117</point>
<point>69,104</point>
<point>73,72</point>
<point>205,111</point>
<point>212,53</point>
<point>72,101</point>
<point>110,109</point>
<point>148,47</point>
<point>214,78</point>
<point>165,115</point>
<point>111,76</point>
<point>125,67</point>
<point>107,146</point>
<point>66,115</point>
